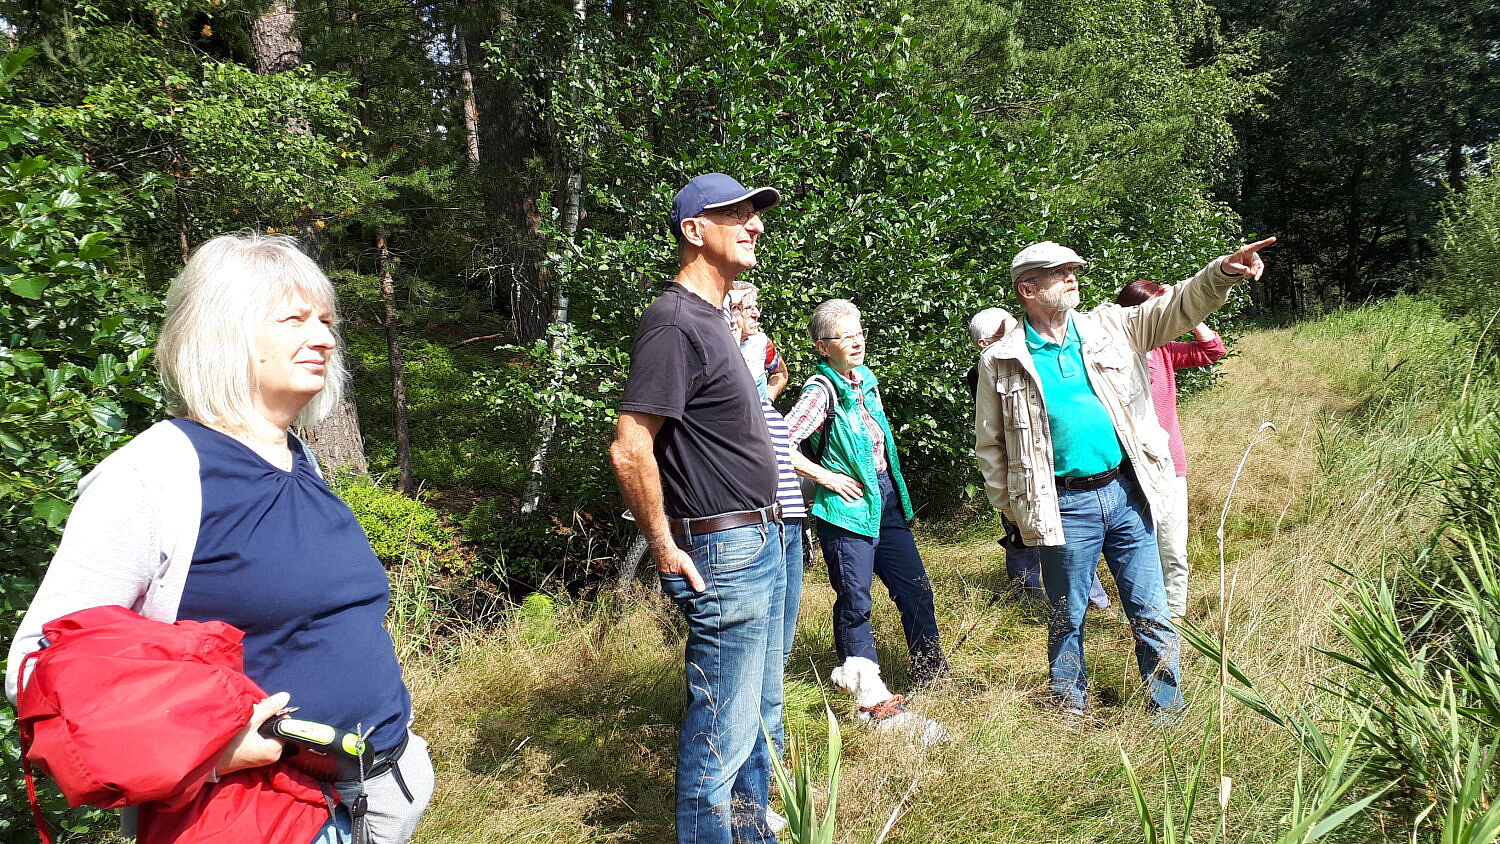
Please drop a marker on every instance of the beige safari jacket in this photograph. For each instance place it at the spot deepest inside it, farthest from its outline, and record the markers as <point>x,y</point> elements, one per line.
<point>1011,436</point>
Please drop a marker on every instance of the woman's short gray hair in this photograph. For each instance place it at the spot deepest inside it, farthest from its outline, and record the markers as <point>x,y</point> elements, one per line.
<point>825,315</point>
<point>215,309</point>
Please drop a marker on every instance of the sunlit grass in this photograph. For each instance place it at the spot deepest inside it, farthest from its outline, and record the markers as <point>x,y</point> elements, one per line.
<point>568,734</point>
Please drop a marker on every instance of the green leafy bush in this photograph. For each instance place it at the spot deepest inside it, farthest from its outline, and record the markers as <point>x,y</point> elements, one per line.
<point>525,552</point>
<point>75,326</point>
<point>1467,280</point>
<point>399,528</point>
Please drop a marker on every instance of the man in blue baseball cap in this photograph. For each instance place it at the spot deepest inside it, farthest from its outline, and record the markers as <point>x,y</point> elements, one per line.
<point>694,461</point>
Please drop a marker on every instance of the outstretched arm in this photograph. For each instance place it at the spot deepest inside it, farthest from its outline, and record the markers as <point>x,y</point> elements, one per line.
<point>1157,321</point>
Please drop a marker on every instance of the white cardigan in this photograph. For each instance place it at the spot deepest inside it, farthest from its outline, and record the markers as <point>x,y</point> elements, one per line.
<point>129,540</point>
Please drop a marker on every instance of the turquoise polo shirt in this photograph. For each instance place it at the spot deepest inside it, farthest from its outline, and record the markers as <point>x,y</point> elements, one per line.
<point>1083,437</point>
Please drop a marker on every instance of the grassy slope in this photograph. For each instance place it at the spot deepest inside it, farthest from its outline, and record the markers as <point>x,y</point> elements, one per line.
<point>560,727</point>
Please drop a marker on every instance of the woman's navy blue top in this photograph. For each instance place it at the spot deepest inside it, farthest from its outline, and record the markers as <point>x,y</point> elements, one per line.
<point>283,559</point>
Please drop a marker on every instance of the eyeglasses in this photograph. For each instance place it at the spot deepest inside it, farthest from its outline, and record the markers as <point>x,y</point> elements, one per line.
<point>740,214</point>
<point>847,338</point>
<point>1055,274</point>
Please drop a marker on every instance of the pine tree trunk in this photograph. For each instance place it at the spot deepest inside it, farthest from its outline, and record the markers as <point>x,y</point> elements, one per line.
<point>1353,232</point>
<point>278,48</point>
<point>273,35</point>
<point>471,108</point>
<point>336,440</point>
<point>507,143</point>
<point>1457,162</point>
<point>398,366</point>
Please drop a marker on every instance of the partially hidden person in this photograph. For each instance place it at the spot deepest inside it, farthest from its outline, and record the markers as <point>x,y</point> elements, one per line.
<point>765,363</point>
<point>1071,452</point>
<point>863,514</point>
<point>1162,364</point>
<point>222,514</point>
<point>1023,563</point>
<point>694,460</point>
<point>759,350</point>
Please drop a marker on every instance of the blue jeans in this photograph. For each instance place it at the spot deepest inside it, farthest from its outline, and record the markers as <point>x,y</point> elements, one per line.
<point>1023,566</point>
<point>1113,519</point>
<point>733,662</point>
<point>791,549</point>
<point>853,559</point>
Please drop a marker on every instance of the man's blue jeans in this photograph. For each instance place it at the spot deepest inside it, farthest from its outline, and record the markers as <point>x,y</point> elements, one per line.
<point>733,663</point>
<point>1023,566</point>
<point>1113,519</point>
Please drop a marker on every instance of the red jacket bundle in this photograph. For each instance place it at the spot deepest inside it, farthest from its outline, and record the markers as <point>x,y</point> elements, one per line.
<point>124,711</point>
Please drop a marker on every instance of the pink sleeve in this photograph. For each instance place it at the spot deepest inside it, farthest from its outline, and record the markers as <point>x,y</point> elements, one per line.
<point>1196,353</point>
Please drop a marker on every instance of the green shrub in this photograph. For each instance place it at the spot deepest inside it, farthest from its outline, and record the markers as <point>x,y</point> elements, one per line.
<point>1467,277</point>
<point>75,323</point>
<point>524,552</point>
<point>537,618</point>
<point>399,528</point>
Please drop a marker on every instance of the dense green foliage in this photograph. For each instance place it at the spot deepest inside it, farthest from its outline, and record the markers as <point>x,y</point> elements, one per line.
<point>75,325</point>
<point>918,146</point>
<point>1468,254</point>
<point>1378,111</point>
<point>907,199</point>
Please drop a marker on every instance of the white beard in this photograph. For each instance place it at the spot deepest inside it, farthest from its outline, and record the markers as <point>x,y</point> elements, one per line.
<point>1058,298</point>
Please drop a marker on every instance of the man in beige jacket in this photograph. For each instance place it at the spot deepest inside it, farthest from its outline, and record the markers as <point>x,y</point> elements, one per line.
<point>1072,453</point>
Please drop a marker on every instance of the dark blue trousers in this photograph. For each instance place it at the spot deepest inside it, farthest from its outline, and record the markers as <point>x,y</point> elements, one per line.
<point>853,560</point>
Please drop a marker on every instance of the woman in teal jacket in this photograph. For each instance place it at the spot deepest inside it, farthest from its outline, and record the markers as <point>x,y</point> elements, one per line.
<point>863,511</point>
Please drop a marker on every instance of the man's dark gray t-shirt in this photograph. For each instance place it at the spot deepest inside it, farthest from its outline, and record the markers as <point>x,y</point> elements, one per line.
<point>714,451</point>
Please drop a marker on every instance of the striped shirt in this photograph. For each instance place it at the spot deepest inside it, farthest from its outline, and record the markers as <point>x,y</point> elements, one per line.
<point>788,486</point>
<point>759,354</point>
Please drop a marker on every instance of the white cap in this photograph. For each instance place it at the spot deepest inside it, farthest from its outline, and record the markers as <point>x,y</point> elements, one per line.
<point>1042,255</point>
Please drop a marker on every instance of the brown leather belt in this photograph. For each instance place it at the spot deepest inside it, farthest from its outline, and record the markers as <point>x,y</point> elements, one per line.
<point>687,528</point>
<point>1090,482</point>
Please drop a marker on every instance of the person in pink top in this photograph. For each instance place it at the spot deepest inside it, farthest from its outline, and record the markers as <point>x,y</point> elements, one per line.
<point>1162,365</point>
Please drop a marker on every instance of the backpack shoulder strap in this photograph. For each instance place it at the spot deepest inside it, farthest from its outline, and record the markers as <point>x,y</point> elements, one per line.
<point>822,381</point>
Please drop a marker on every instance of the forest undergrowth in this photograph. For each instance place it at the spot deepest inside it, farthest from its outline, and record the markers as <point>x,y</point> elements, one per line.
<point>559,726</point>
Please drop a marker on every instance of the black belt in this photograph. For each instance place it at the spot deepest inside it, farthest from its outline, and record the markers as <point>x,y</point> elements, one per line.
<point>688,528</point>
<point>1090,482</point>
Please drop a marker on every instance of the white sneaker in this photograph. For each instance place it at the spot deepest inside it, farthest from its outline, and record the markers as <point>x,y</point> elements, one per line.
<point>774,821</point>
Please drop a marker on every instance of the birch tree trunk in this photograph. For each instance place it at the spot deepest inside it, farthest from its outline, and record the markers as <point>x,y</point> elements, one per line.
<point>398,365</point>
<point>572,213</point>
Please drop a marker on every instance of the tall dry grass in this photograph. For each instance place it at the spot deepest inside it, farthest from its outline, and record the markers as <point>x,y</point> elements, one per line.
<point>560,725</point>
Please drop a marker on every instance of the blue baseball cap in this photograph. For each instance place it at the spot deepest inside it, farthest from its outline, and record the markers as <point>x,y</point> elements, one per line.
<point>716,190</point>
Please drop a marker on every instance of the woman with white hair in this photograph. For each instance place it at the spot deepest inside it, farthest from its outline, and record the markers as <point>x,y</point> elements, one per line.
<point>863,511</point>
<point>221,514</point>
